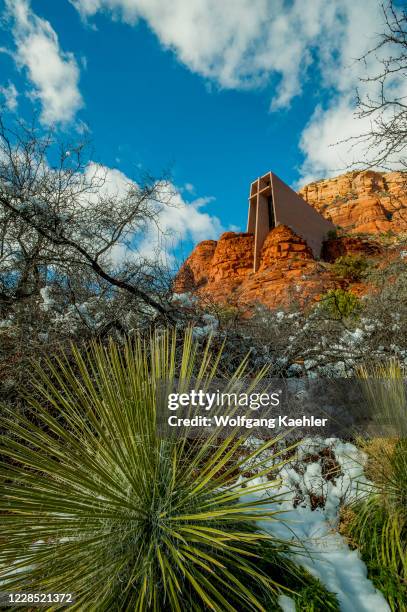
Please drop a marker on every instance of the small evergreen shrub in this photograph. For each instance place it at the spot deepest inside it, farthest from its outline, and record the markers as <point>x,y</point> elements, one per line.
<point>340,304</point>
<point>351,268</point>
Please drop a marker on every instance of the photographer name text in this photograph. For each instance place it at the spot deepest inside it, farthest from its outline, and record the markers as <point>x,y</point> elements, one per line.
<point>199,400</point>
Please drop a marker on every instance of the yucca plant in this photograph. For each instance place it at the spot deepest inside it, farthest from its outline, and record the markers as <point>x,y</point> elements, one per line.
<point>378,523</point>
<point>95,502</point>
<point>384,387</point>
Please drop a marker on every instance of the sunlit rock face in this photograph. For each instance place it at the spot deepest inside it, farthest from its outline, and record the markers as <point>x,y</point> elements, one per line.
<point>350,245</point>
<point>368,203</point>
<point>195,270</point>
<point>362,201</point>
<point>286,266</point>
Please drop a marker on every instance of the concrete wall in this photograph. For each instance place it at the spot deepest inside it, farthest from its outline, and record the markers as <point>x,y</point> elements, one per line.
<point>262,228</point>
<point>290,209</point>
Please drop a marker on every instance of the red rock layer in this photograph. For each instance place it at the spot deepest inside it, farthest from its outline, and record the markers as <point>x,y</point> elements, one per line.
<point>287,273</point>
<point>287,270</point>
<point>195,270</point>
<point>362,201</point>
<point>282,243</point>
<point>233,257</point>
<point>349,245</point>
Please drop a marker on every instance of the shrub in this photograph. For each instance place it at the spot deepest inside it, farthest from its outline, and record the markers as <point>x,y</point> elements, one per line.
<point>340,304</point>
<point>332,234</point>
<point>94,501</point>
<point>378,523</point>
<point>227,315</point>
<point>380,534</point>
<point>350,267</point>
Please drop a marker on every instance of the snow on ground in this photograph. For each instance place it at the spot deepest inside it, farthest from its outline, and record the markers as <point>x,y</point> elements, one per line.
<point>286,603</point>
<point>327,473</point>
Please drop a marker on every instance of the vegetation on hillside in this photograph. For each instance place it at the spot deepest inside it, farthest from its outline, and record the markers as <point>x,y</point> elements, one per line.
<point>351,268</point>
<point>96,501</point>
<point>340,304</point>
<point>377,525</point>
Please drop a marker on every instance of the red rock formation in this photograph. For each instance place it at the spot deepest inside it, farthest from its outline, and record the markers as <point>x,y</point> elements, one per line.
<point>282,243</point>
<point>349,245</point>
<point>287,273</point>
<point>233,257</point>
<point>359,202</point>
<point>287,270</point>
<point>362,201</point>
<point>195,270</point>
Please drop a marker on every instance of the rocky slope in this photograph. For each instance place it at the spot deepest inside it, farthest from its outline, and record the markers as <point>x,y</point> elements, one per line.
<point>361,204</point>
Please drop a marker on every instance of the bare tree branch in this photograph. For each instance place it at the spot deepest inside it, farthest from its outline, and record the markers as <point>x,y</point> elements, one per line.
<point>59,215</point>
<point>381,98</point>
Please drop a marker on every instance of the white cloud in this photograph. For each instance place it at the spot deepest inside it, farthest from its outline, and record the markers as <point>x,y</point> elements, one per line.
<point>329,141</point>
<point>111,180</point>
<point>179,222</point>
<point>236,43</point>
<point>256,43</point>
<point>189,187</point>
<point>241,43</point>
<point>53,73</point>
<point>9,94</point>
<point>126,10</point>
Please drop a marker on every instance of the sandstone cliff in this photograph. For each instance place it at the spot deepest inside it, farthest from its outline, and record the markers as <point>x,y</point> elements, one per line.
<point>367,203</point>
<point>362,202</point>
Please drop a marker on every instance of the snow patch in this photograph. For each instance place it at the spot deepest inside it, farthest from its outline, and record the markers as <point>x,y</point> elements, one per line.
<point>326,554</point>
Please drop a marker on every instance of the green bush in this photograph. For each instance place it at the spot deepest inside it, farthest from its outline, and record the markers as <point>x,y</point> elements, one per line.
<point>350,267</point>
<point>228,315</point>
<point>379,522</point>
<point>340,304</point>
<point>94,501</point>
<point>332,234</point>
<point>381,537</point>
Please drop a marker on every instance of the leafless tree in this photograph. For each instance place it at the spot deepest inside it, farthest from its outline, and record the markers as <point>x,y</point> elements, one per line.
<point>382,96</point>
<point>62,224</point>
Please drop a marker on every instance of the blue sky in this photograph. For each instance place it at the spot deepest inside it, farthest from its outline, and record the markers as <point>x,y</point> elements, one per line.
<point>217,92</point>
